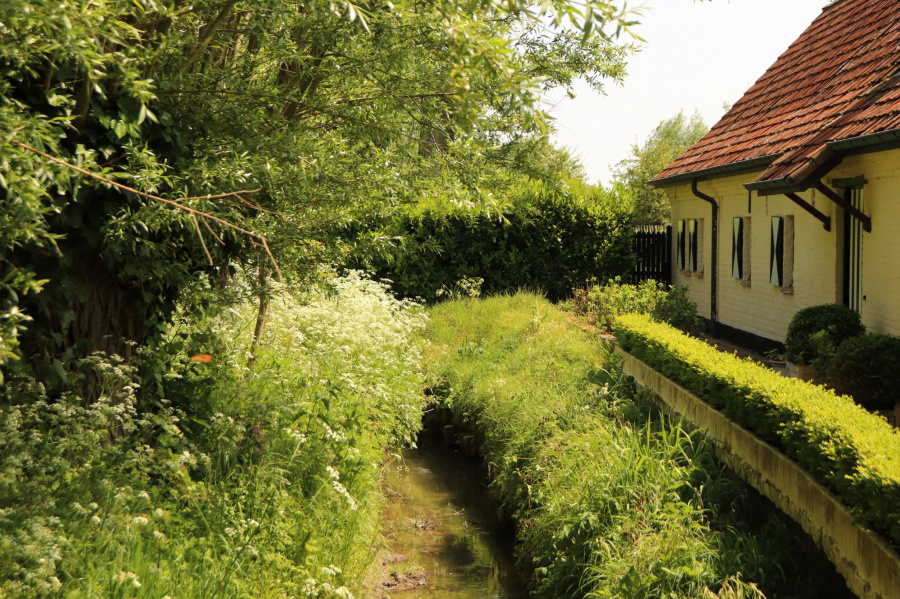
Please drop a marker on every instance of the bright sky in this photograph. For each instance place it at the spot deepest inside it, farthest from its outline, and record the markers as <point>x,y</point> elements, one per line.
<point>697,56</point>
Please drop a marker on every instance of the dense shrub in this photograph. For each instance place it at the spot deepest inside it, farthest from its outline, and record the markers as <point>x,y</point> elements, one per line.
<point>602,304</point>
<point>815,332</point>
<point>543,240</point>
<point>273,493</point>
<point>866,368</point>
<point>851,452</point>
<point>602,495</point>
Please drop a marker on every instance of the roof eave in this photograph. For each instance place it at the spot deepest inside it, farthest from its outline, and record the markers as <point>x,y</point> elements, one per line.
<point>866,143</point>
<point>733,168</point>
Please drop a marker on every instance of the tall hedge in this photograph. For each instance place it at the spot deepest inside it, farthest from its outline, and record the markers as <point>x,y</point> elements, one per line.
<point>544,240</point>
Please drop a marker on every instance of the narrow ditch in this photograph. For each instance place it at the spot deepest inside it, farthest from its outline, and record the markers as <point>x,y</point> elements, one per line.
<point>445,538</point>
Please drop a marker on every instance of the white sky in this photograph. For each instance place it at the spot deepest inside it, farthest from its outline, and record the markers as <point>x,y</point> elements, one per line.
<point>696,56</point>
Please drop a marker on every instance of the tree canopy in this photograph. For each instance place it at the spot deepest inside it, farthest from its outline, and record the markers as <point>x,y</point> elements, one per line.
<point>147,148</point>
<point>669,140</point>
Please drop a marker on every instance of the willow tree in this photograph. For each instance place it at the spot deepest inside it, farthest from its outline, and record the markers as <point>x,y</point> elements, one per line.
<point>146,148</point>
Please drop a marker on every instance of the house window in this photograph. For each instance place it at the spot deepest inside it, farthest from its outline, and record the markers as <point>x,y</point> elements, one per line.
<point>781,269</point>
<point>680,245</point>
<point>740,249</point>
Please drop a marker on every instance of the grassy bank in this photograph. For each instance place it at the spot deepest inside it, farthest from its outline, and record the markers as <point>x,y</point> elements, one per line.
<point>611,500</point>
<point>262,483</point>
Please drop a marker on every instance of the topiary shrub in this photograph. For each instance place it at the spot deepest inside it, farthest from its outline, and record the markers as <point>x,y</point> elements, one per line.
<point>816,332</point>
<point>866,368</point>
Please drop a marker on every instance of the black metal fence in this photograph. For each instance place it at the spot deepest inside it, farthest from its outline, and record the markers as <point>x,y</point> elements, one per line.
<point>652,246</point>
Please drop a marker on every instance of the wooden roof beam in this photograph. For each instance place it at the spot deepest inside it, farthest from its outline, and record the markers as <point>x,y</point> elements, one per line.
<point>826,220</point>
<point>835,197</point>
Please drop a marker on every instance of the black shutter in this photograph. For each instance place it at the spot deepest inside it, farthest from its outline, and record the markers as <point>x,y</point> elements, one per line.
<point>692,245</point>
<point>737,249</point>
<point>680,245</point>
<point>776,268</point>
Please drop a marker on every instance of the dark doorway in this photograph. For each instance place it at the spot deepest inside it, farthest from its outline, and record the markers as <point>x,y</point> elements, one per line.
<point>853,251</point>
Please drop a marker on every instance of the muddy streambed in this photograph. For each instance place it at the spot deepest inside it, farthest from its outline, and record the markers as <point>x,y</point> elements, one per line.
<point>443,537</point>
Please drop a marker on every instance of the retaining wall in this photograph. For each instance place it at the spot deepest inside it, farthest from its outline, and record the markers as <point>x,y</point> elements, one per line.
<point>870,567</point>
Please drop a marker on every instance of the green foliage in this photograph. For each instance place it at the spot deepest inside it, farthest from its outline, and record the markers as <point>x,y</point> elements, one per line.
<point>865,368</point>
<point>334,110</point>
<point>815,332</point>
<point>544,240</point>
<point>669,140</point>
<point>269,489</point>
<point>602,304</point>
<point>603,496</point>
<point>851,452</point>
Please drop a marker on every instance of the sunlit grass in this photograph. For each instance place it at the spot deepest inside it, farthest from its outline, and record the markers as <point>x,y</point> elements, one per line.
<point>602,489</point>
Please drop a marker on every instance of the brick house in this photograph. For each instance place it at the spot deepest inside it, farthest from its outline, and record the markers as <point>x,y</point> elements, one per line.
<point>793,198</point>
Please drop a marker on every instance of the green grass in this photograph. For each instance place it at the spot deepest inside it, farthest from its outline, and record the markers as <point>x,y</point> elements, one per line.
<point>611,499</point>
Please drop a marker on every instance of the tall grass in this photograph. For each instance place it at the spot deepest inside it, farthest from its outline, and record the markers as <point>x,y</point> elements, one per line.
<point>265,487</point>
<point>610,499</point>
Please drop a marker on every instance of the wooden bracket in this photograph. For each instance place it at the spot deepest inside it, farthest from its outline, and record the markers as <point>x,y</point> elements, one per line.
<point>847,206</point>
<point>826,220</point>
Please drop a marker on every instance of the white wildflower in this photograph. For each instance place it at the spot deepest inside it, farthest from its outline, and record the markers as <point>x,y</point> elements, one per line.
<point>140,521</point>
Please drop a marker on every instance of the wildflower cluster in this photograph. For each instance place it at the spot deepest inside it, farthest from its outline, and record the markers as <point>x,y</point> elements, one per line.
<point>268,480</point>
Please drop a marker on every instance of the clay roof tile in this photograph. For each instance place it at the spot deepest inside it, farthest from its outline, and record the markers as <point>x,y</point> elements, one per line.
<point>836,81</point>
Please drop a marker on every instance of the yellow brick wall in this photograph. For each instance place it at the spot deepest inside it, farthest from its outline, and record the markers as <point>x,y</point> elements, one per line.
<point>761,308</point>
<point>881,248</point>
<point>766,310</point>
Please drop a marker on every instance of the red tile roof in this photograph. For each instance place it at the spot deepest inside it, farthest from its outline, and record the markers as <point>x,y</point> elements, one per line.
<point>838,80</point>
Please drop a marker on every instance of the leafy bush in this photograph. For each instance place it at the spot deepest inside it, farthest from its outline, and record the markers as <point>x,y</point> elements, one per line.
<point>865,368</point>
<point>602,304</point>
<point>851,452</point>
<point>543,240</point>
<point>273,493</point>
<point>603,497</point>
<point>815,332</point>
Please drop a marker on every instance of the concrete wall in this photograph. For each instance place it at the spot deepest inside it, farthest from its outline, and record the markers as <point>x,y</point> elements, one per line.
<point>763,309</point>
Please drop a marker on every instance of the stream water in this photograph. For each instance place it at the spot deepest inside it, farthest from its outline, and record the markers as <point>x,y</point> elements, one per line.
<point>445,539</point>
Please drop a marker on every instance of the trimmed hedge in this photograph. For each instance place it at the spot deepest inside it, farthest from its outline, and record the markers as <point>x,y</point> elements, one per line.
<point>851,452</point>
<point>544,240</point>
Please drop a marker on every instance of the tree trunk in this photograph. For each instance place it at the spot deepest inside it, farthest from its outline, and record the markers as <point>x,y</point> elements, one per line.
<point>263,296</point>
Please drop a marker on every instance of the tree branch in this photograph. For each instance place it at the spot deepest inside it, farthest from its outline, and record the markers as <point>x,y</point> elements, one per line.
<point>191,211</point>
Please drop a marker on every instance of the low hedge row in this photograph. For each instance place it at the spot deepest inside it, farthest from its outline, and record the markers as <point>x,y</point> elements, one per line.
<point>852,452</point>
